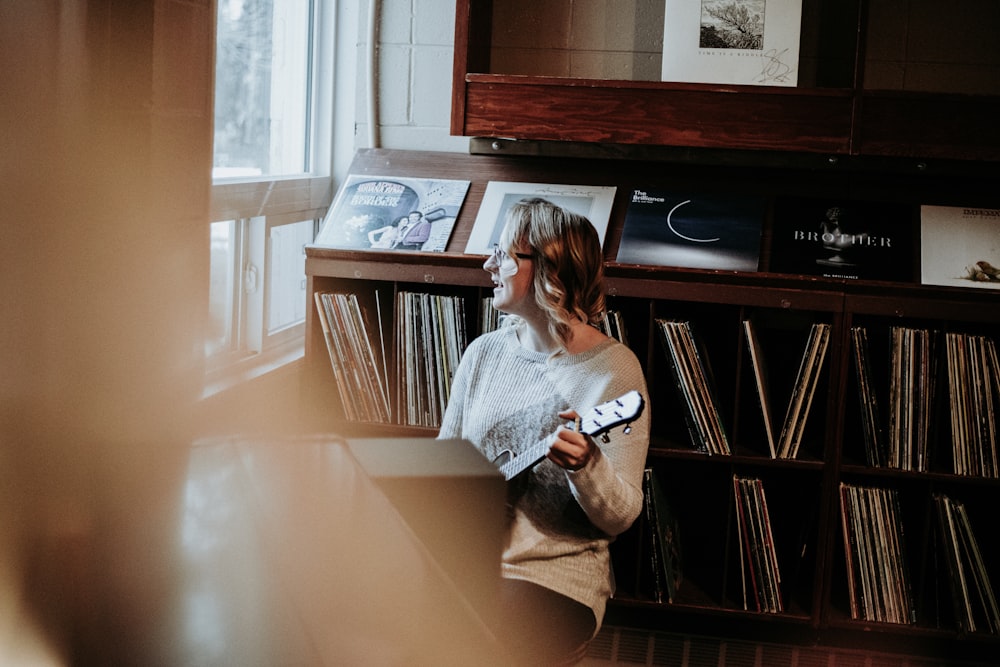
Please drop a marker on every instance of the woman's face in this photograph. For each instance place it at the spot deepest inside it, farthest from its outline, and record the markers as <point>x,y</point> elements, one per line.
<point>513,281</point>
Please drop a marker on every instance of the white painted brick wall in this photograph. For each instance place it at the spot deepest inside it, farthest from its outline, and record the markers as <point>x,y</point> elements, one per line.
<point>415,51</point>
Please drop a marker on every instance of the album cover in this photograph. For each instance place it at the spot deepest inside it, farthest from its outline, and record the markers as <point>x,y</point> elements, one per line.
<point>960,246</point>
<point>750,42</point>
<point>840,239</point>
<point>702,231</point>
<point>591,201</point>
<point>393,213</point>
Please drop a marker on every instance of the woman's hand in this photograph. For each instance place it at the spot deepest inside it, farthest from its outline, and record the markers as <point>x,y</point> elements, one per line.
<point>571,449</point>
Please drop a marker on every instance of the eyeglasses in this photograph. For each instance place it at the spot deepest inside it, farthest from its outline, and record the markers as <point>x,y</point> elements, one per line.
<point>499,254</point>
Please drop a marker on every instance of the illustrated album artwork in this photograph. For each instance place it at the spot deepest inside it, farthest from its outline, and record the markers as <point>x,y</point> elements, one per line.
<point>750,42</point>
<point>843,239</point>
<point>706,232</point>
<point>591,201</point>
<point>393,213</point>
<point>960,246</point>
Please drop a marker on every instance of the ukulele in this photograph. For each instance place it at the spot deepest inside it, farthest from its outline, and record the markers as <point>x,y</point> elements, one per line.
<point>596,421</point>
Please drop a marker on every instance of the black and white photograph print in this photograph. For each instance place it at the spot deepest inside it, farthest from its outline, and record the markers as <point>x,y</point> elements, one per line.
<point>393,213</point>
<point>729,24</point>
<point>749,42</point>
<point>698,231</point>
<point>591,201</point>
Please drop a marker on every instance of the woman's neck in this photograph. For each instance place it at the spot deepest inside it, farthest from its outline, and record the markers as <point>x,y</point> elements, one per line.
<point>535,336</point>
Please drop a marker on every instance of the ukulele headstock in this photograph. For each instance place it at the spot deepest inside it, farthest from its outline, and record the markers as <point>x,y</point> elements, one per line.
<point>602,418</point>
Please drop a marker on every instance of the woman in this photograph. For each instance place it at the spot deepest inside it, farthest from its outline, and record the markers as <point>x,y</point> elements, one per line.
<point>385,237</point>
<point>518,386</point>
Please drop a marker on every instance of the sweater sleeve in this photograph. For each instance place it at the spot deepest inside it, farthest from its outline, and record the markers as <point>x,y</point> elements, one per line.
<point>611,501</point>
<point>609,487</point>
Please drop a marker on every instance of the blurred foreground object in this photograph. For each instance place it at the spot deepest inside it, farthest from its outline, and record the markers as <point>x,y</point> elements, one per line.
<point>294,553</point>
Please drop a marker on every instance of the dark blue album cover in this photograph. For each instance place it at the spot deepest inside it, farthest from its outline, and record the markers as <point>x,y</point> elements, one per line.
<point>696,231</point>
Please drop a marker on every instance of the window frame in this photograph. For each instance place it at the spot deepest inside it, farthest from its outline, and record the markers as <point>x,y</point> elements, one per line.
<point>258,204</point>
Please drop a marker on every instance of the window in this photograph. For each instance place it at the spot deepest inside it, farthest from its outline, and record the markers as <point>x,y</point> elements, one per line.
<point>257,293</point>
<point>286,275</point>
<point>271,174</point>
<point>262,87</point>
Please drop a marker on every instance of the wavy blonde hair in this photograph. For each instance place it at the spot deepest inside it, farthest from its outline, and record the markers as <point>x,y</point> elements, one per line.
<point>569,263</point>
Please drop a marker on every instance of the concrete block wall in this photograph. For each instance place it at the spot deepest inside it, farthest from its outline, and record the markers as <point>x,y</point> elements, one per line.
<point>414,54</point>
<point>936,47</point>
<point>588,39</point>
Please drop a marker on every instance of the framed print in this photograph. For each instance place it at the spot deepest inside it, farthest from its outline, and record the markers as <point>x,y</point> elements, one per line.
<point>591,201</point>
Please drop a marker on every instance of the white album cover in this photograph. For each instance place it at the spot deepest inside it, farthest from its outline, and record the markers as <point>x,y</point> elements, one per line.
<point>751,42</point>
<point>591,201</point>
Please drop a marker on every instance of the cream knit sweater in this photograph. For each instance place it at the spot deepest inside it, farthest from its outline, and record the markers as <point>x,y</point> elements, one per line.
<point>504,396</point>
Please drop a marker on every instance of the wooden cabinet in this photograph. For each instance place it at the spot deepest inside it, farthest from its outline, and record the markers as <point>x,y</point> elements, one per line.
<point>803,493</point>
<point>877,78</point>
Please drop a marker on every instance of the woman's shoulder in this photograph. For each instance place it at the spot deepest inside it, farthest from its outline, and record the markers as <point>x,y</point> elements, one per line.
<point>616,353</point>
<point>490,340</point>
<point>608,354</point>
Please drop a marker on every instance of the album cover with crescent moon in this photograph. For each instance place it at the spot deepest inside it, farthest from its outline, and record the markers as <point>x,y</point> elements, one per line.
<point>688,230</point>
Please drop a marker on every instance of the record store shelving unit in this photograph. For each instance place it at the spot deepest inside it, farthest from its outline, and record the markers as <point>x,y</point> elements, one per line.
<point>803,493</point>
